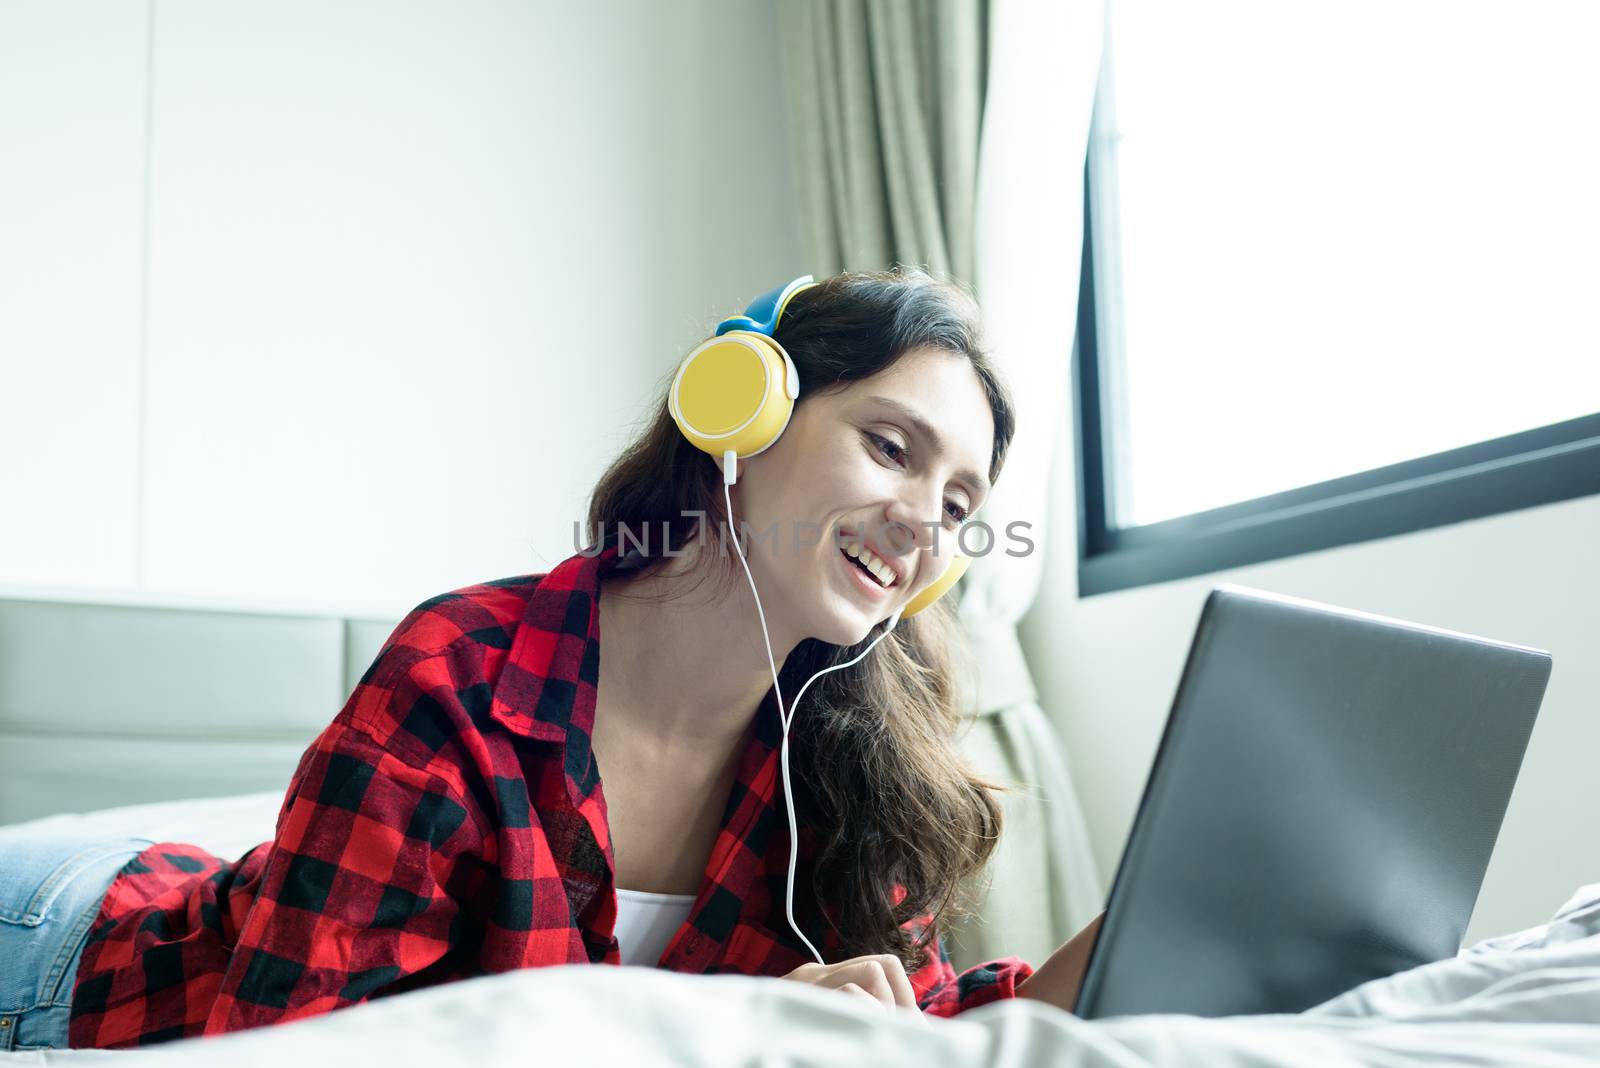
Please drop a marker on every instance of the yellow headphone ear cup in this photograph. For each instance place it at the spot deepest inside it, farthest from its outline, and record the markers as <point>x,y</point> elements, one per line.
<point>730,393</point>
<point>952,574</point>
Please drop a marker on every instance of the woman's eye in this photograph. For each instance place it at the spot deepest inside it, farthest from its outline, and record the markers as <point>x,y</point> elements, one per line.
<point>884,445</point>
<point>896,453</point>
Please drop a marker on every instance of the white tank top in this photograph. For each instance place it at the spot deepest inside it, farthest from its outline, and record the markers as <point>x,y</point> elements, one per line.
<point>647,922</point>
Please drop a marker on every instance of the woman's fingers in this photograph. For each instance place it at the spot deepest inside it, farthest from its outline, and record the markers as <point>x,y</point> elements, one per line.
<point>886,977</point>
<point>881,977</point>
<point>904,994</point>
<point>871,975</point>
<point>868,977</point>
<point>851,988</point>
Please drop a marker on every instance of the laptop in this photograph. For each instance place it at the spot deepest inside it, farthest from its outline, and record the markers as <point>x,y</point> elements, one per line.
<point>1322,807</point>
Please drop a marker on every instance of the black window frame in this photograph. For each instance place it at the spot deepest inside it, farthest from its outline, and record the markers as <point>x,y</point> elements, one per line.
<point>1551,463</point>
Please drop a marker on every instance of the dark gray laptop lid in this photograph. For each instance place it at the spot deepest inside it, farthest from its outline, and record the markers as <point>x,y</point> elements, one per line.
<point>1321,809</point>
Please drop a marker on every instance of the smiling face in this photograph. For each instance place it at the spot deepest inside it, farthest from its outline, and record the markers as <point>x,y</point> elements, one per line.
<point>887,458</point>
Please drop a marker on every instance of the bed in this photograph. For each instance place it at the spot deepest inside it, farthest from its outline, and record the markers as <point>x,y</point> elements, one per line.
<point>1528,999</point>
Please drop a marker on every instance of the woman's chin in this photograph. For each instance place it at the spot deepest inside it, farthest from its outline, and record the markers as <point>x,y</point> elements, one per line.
<point>847,625</point>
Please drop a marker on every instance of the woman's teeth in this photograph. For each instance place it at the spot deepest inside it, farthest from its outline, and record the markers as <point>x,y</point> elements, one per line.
<point>872,562</point>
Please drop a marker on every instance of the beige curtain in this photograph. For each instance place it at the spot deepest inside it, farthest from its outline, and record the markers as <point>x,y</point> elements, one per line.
<point>887,99</point>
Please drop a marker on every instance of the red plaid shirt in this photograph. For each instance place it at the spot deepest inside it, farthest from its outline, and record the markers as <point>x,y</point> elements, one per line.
<point>448,824</point>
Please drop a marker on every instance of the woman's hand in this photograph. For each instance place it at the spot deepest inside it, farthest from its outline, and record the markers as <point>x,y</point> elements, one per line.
<point>880,978</point>
<point>1058,979</point>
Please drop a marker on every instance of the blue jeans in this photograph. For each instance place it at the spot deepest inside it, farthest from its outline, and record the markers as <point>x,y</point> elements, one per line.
<point>51,886</point>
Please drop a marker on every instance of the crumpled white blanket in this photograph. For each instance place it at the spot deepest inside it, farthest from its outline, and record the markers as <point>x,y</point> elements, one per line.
<point>1525,1000</point>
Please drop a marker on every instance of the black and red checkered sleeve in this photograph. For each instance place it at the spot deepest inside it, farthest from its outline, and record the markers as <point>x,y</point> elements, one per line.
<point>941,991</point>
<point>361,892</point>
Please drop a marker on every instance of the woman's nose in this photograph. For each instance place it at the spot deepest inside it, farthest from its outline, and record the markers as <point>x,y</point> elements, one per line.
<point>914,524</point>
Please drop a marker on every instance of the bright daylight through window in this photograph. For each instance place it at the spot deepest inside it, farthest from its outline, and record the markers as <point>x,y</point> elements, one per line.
<point>1361,233</point>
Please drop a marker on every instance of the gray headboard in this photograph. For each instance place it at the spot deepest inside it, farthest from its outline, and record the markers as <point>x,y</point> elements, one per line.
<point>104,705</point>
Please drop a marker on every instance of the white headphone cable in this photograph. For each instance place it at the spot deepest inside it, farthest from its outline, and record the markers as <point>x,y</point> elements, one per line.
<point>729,473</point>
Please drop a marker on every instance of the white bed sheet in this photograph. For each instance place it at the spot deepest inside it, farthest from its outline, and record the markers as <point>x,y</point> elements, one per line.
<point>224,826</point>
<point>1530,999</point>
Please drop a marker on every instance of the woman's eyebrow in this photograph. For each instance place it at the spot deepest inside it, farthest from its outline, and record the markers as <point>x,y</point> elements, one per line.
<point>926,430</point>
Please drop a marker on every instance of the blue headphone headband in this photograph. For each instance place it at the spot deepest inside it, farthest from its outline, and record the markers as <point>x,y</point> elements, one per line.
<point>762,316</point>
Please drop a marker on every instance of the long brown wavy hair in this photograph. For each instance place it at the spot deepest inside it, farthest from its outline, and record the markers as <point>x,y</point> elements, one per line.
<point>878,776</point>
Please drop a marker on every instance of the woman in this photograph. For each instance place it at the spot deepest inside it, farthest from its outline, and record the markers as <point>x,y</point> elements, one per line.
<point>498,794</point>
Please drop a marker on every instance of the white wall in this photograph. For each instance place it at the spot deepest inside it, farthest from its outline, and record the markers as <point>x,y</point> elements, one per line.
<point>1108,666</point>
<point>344,305</point>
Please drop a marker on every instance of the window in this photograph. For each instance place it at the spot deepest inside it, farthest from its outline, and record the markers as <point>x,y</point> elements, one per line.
<point>1341,271</point>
